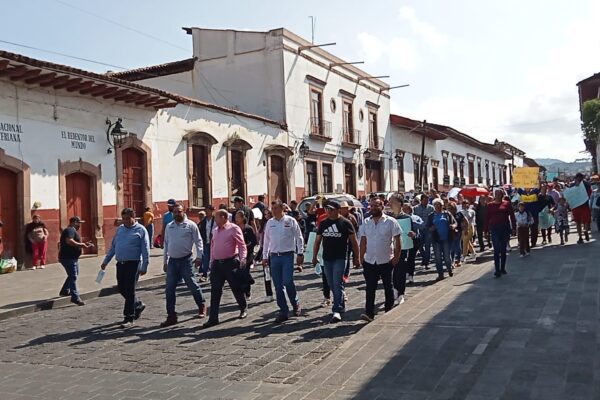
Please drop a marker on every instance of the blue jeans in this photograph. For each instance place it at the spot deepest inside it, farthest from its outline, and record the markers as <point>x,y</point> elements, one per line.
<point>206,259</point>
<point>70,285</point>
<point>177,269</point>
<point>441,250</point>
<point>500,238</point>
<point>282,275</point>
<point>150,229</point>
<point>334,272</point>
<point>456,248</point>
<point>425,246</point>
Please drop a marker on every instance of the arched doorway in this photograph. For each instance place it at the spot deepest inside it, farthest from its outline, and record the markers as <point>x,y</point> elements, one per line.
<point>236,167</point>
<point>9,232</point>
<point>79,203</point>
<point>133,180</point>
<point>199,163</point>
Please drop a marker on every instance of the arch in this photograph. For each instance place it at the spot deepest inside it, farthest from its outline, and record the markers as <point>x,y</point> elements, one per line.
<point>95,173</point>
<point>200,138</point>
<point>284,153</point>
<point>133,142</point>
<point>237,144</point>
<point>23,173</point>
<point>237,166</point>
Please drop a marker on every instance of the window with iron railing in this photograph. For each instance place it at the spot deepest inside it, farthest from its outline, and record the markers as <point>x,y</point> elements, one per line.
<point>351,136</point>
<point>376,143</point>
<point>320,128</point>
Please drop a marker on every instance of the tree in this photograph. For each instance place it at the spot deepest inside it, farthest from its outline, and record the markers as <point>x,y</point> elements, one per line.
<point>590,116</point>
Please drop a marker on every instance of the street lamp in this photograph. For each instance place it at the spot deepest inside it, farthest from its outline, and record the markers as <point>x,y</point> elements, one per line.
<point>116,132</point>
<point>303,149</point>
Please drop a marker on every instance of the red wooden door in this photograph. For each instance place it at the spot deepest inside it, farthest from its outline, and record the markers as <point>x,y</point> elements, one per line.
<point>278,187</point>
<point>8,214</point>
<point>133,180</point>
<point>79,202</point>
<point>373,175</point>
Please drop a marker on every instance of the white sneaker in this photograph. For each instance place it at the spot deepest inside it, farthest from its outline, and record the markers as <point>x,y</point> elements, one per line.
<point>522,256</point>
<point>268,299</point>
<point>336,318</point>
<point>410,279</point>
<point>400,299</point>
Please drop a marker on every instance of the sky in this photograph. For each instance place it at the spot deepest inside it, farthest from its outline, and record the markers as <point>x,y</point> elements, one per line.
<point>504,69</point>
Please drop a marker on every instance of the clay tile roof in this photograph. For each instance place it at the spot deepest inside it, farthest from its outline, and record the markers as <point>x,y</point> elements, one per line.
<point>152,71</point>
<point>589,79</point>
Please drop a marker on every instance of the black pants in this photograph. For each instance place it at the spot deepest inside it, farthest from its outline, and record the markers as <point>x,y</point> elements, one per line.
<point>127,277</point>
<point>221,272</point>
<point>326,288</point>
<point>480,237</point>
<point>373,273</point>
<point>399,273</point>
<point>411,256</point>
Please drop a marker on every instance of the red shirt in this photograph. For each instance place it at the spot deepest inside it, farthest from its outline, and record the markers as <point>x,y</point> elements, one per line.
<point>500,215</point>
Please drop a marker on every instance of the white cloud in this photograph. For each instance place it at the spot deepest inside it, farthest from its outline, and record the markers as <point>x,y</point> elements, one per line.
<point>422,29</point>
<point>399,53</point>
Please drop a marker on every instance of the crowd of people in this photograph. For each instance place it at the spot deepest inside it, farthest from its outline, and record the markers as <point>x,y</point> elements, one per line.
<point>383,236</point>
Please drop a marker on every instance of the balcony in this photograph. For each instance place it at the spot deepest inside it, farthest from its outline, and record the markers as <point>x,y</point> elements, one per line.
<point>376,144</point>
<point>351,138</point>
<point>320,129</point>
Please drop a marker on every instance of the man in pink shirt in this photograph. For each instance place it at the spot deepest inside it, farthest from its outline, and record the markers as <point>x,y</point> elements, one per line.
<point>227,255</point>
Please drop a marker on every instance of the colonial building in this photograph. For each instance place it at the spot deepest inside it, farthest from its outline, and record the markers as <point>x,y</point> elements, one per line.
<point>515,157</point>
<point>451,158</point>
<point>74,142</point>
<point>337,116</point>
<point>589,89</point>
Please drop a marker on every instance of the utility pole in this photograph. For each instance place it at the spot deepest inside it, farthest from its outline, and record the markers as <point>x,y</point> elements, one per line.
<point>421,163</point>
<point>312,29</point>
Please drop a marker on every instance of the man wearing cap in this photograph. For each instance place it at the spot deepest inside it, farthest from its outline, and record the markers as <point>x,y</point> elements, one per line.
<point>283,238</point>
<point>206,232</point>
<point>168,216</point>
<point>129,245</point>
<point>335,232</point>
<point>68,256</point>
<point>238,204</point>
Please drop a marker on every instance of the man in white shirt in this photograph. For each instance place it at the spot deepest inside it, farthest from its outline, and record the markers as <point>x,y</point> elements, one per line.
<point>181,237</point>
<point>377,255</point>
<point>283,238</point>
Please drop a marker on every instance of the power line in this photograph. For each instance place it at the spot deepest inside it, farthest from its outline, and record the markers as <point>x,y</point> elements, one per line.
<point>110,21</point>
<point>62,54</point>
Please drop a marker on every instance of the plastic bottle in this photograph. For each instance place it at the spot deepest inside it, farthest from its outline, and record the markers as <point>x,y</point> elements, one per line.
<point>318,269</point>
<point>100,276</point>
<point>267,273</point>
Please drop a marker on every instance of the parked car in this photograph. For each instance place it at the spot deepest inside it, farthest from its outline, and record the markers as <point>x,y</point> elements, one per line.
<point>302,205</point>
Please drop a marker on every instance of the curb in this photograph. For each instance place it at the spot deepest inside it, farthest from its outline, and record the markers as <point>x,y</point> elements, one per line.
<point>57,302</point>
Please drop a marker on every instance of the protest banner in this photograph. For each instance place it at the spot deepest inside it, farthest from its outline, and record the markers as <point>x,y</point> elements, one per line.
<point>406,226</point>
<point>526,177</point>
<point>576,195</point>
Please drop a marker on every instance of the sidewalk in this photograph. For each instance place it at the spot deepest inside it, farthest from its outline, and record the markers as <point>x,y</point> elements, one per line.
<point>26,291</point>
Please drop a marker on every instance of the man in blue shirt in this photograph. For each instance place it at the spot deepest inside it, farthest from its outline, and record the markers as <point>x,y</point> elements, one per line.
<point>167,217</point>
<point>129,246</point>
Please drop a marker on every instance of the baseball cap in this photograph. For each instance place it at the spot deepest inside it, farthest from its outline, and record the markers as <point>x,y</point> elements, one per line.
<point>171,202</point>
<point>237,198</point>
<point>332,205</point>
<point>76,219</point>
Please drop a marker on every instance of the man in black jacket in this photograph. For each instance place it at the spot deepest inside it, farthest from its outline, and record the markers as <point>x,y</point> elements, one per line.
<point>480,216</point>
<point>206,230</point>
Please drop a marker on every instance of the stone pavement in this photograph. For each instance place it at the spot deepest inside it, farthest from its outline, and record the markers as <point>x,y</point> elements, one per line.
<point>27,291</point>
<point>531,334</point>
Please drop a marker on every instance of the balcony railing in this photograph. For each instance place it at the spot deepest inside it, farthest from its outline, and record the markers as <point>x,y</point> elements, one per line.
<point>351,136</point>
<point>320,129</point>
<point>376,143</point>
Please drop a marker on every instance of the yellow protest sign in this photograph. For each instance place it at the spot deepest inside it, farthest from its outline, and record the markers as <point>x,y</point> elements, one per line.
<point>526,177</point>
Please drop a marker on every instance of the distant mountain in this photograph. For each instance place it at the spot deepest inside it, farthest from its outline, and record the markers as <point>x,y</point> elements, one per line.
<point>548,161</point>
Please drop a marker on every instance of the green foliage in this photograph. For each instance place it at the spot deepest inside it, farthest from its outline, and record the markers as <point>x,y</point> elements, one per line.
<point>590,116</point>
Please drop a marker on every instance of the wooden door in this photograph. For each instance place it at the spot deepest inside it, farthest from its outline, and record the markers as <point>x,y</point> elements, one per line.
<point>79,203</point>
<point>237,173</point>
<point>277,183</point>
<point>9,214</point>
<point>200,176</point>
<point>133,180</point>
<point>349,179</point>
<point>373,174</point>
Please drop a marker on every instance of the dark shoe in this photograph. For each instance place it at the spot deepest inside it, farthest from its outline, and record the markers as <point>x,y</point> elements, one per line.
<point>64,293</point>
<point>450,273</point>
<point>503,272</point>
<point>297,310</point>
<point>209,324</point>
<point>281,319</point>
<point>367,317</point>
<point>580,241</point>
<point>243,314</point>
<point>203,278</point>
<point>170,321</point>
<point>139,311</point>
<point>497,274</point>
<point>440,277</point>
<point>126,324</point>
<point>79,302</point>
<point>248,296</point>
<point>202,311</point>
<point>587,237</point>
